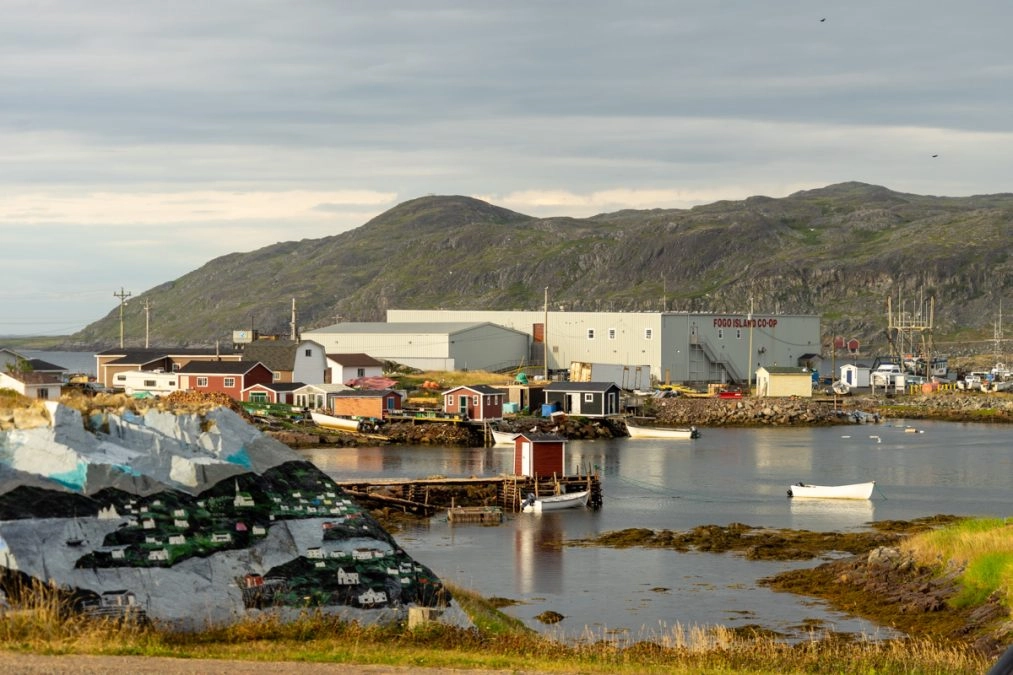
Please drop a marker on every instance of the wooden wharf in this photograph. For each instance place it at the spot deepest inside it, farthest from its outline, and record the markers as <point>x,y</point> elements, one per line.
<point>425,496</point>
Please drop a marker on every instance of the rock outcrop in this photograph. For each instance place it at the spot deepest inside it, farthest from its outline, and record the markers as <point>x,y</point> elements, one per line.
<point>193,518</point>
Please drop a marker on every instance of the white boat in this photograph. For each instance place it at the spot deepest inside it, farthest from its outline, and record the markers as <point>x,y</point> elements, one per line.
<point>661,432</point>
<point>853,491</point>
<point>569,500</point>
<point>342,423</point>
<point>503,437</point>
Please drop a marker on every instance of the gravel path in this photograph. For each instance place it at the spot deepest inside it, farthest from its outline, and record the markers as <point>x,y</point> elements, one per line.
<point>35,664</point>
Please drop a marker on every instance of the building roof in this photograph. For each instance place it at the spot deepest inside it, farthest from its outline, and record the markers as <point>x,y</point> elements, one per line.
<point>40,366</point>
<point>581,386</point>
<point>278,386</point>
<point>355,360</point>
<point>278,355</point>
<point>326,388</point>
<point>786,370</point>
<point>477,388</point>
<point>541,436</point>
<point>219,367</point>
<point>408,327</point>
<point>365,393</point>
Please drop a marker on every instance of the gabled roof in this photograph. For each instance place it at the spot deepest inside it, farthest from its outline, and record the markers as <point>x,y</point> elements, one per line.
<point>219,367</point>
<point>541,436</point>
<point>40,366</point>
<point>786,370</point>
<point>477,388</point>
<point>277,386</point>
<point>278,355</point>
<point>581,386</point>
<point>365,393</point>
<point>355,360</point>
<point>326,388</point>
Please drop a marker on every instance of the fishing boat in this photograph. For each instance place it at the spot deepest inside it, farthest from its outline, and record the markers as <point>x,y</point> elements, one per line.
<point>342,423</point>
<point>852,491</point>
<point>662,432</point>
<point>569,500</point>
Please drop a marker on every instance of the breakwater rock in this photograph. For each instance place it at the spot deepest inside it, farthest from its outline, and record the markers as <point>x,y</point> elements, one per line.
<point>717,412</point>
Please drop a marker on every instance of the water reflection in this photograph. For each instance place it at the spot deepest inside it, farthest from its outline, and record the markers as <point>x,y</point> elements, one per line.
<point>831,514</point>
<point>538,553</point>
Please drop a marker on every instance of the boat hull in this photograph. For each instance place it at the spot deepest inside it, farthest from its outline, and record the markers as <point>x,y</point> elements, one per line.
<point>557,502</point>
<point>332,422</point>
<point>503,437</point>
<point>852,491</point>
<point>661,432</point>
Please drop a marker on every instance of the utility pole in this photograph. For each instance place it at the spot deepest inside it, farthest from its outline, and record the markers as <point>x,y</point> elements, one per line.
<point>122,295</point>
<point>147,321</point>
<point>749,362</point>
<point>545,336</point>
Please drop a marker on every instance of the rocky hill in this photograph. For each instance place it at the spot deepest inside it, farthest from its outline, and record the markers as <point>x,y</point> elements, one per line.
<point>839,252</point>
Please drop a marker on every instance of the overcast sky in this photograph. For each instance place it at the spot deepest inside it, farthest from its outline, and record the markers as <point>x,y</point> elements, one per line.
<point>141,139</point>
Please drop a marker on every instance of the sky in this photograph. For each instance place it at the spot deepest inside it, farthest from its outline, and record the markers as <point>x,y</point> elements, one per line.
<point>140,140</point>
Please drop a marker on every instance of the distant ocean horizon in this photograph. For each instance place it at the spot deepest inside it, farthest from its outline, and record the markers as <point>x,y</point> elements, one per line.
<point>74,362</point>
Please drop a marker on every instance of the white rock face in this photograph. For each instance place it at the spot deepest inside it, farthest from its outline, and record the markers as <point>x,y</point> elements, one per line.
<point>215,521</point>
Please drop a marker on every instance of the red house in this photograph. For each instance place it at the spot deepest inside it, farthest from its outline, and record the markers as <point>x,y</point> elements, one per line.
<point>480,402</point>
<point>539,454</point>
<point>226,377</point>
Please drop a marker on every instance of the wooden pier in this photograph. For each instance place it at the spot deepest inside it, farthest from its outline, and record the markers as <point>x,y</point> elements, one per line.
<point>482,515</point>
<point>426,496</point>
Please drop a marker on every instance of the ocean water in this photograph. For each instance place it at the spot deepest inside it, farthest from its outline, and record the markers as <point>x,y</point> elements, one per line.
<point>74,362</point>
<point>726,476</point>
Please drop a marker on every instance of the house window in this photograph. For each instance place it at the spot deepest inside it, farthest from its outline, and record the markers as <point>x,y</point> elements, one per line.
<point>230,382</point>
<point>590,333</point>
<point>612,333</point>
<point>474,400</point>
<point>648,333</point>
<point>588,397</point>
<point>309,352</point>
<point>361,372</point>
<point>202,381</point>
<point>258,397</point>
<point>276,376</point>
<point>175,367</point>
<point>43,394</point>
<point>450,401</point>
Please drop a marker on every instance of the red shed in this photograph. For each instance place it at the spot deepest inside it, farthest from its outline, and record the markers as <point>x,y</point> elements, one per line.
<point>479,402</point>
<point>539,454</point>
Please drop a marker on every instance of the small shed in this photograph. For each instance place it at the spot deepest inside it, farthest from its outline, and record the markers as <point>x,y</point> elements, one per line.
<point>587,399</point>
<point>539,454</point>
<point>855,375</point>
<point>480,402</point>
<point>784,381</point>
<point>366,402</point>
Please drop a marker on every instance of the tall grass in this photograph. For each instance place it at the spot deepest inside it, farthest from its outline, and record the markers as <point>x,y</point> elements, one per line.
<point>980,548</point>
<point>39,621</point>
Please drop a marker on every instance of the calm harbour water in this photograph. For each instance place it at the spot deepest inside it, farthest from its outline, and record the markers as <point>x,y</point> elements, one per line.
<point>728,475</point>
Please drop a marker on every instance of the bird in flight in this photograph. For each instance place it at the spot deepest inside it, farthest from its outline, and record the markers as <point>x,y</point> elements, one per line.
<point>935,155</point>
<point>823,19</point>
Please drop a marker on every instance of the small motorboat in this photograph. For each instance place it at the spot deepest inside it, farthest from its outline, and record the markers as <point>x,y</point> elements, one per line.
<point>852,491</point>
<point>568,500</point>
<point>503,437</point>
<point>662,432</point>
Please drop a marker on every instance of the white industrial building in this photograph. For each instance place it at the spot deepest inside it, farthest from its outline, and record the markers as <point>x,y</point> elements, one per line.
<point>430,345</point>
<point>679,346</point>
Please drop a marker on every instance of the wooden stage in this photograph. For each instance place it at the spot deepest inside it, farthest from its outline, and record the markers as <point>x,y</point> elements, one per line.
<point>426,496</point>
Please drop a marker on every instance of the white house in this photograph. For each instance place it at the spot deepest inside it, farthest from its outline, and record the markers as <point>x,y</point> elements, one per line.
<point>343,368</point>
<point>854,375</point>
<point>290,361</point>
<point>316,396</point>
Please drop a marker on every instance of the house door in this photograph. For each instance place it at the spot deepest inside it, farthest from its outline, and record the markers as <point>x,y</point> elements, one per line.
<point>462,405</point>
<point>526,469</point>
<point>573,404</point>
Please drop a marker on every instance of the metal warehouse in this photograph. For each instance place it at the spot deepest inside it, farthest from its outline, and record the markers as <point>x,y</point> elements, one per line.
<point>679,346</point>
<point>429,345</point>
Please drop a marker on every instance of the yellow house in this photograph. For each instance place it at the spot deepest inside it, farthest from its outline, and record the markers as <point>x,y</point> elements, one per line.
<point>784,381</point>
